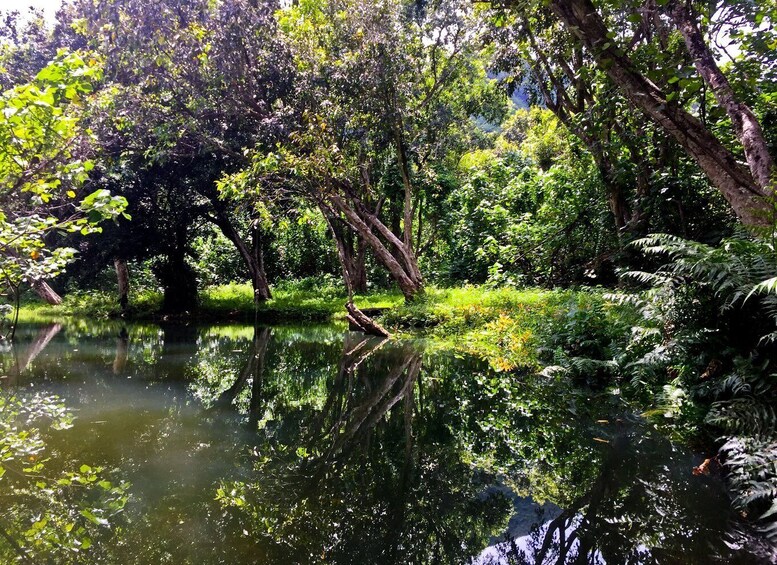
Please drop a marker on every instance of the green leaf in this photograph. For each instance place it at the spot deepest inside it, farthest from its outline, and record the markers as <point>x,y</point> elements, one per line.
<point>89,515</point>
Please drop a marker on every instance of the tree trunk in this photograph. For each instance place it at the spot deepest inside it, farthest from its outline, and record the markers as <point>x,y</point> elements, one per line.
<point>258,276</point>
<point>47,293</point>
<point>178,278</point>
<point>736,183</point>
<point>360,267</point>
<point>404,169</point>
<point>352,253</point>
<point>355,316</point>
<point>364,322</point>
<point>406,278</point>
<point>122,276</point>
<point>616,197</point>
<point>746,126</point>
<point>252,256</point>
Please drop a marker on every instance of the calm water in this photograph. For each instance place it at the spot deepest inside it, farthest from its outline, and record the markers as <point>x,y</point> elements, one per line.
<point>310,444</point>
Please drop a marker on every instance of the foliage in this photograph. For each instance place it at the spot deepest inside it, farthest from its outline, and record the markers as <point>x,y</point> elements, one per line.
<point>707,344</point>
<point>301,247</point>
<point>584,337</point>
<point>41,170</point>
<point>49,512</point>
<point>520,217</point>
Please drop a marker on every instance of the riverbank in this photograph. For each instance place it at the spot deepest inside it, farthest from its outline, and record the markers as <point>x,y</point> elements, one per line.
<point>510,328</point>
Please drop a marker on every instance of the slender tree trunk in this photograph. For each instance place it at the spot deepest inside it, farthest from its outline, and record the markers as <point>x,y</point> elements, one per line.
<point>404,169</point>
<point>252,256</point>
<point>47,293</point>
<point>616,197</point>
<point>342,254</point>
<point>404,254</point>
<point>750,201</point>
<point>258,276</point>
<point>355,256</point>
<point>122,276</point>
<point>420,224</point>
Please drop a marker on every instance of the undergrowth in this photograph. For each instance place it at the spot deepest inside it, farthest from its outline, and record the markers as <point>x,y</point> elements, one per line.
<point>506,326</point>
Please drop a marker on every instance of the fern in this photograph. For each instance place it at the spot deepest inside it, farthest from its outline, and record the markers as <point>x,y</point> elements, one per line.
<point>737,280</point>
<point>752,464</point>
<point>735,271</point>
<point>744,415</point>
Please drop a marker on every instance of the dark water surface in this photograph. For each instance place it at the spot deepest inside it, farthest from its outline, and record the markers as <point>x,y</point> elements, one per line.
<point>311,444</point>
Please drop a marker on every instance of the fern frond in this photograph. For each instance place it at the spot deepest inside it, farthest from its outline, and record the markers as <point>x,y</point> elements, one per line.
<point>743,416</point>
<point>769,286</point>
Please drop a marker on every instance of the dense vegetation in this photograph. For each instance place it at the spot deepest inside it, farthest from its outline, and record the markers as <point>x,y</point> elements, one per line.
<point>580,188</point>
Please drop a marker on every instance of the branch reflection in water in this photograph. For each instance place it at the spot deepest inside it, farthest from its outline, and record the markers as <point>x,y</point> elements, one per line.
<point>310,444</point>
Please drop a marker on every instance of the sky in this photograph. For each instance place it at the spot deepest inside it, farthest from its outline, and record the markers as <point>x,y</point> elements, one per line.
<point>48,6</point>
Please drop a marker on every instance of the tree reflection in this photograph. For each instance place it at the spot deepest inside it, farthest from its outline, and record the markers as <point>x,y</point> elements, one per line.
<point>22,355</point>
<point>348,476</point>
<point>391,461</point>
<point>289,444</point>
<point>251,371</point>
<point>122,352</point>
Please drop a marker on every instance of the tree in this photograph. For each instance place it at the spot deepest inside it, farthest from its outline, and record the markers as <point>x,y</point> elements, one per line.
<point>42,166</point>
<point>381,91</point>
<point>749,189</point>
<point>187,97</point>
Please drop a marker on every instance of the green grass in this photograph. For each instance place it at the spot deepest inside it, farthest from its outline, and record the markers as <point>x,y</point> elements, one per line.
<point>500,325</point>
<point>90,304</point>
<point>288,304</point>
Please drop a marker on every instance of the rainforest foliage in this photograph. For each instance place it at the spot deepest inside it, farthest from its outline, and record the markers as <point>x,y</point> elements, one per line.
<point>443,155</point>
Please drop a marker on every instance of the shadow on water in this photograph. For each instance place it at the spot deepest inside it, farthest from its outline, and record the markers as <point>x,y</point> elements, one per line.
<point>310,444</point>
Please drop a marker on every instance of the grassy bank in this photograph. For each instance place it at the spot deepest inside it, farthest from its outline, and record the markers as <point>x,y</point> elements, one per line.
<point>217,303</point>
<point>511,328</point>
<point>506,326</point>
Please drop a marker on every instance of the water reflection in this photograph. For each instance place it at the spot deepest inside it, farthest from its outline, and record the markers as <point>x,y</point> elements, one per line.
<point>21,356</point>
<point>290,444</point>
<point>122,352</point>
